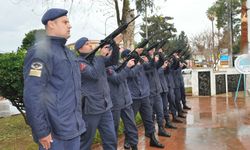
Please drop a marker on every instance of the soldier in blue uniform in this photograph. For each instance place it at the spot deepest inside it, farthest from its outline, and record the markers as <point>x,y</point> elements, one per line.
<point>97,103</point>
<point>52,92</point>
<point>164,93</point>
<point>156,90</point>
<point>182,88</point>
<point>176,69</point>
<point>122,100</point>
<point>171,94</point>
<point>140,91</point>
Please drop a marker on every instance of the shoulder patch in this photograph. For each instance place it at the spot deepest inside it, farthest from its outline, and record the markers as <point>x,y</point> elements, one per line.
<point>36,69</point>
<point>37,65</point>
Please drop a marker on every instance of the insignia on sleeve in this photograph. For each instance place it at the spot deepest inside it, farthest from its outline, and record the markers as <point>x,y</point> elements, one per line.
<point>82,66</point>
<point>36,69</point>
<point>109,71</point>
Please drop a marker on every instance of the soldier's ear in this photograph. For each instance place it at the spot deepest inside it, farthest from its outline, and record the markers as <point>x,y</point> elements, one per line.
<point>51,24</point>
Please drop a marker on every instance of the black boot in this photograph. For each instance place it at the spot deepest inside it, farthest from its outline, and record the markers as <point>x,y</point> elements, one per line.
<point>162,132</point>
<point>186,107</point>
<point>147,135</point>
<point>154,142</point>
<point>181,115</point>
<point>170,125</point>
<point>126,145</point>
<point>134,147</point>
<point>184,112</point>
<point>176,120</point>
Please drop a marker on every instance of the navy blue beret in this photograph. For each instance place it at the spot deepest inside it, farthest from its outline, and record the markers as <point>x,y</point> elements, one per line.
<point>79,43</point>
<point>125,53</point>
<point>52,14</point>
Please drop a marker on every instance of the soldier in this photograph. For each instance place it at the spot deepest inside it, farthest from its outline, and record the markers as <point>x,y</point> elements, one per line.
<point>96,101</point>
<point>156,90</point>
<point>176,69</point>
<point>122,100</point>
<point>140,91</point>
<point>164,93</point>
<point>171,94</point>
<point>51,87</point>
<point>182,88</point>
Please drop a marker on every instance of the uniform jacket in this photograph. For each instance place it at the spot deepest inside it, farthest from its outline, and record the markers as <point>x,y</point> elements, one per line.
<point>52,90</point>
<point>163,82</point>
<point>169,77</point>
<point>95,88</point>
<point>119,91</point>
<point>138,82</point>
<point>181,77</point>
<point>153,77</point>
<point>175,72</point>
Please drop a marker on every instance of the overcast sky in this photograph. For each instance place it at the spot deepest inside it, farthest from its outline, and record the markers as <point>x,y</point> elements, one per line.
<point>88,18</point>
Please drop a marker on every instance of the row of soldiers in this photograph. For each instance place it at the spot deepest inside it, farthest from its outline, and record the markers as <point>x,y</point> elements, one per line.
<point>148,85</point>
<point>68,97</point>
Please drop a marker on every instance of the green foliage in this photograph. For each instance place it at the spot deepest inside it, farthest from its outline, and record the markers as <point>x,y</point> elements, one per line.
<point>182,41</point>
<point>11,77</point>
<point>31,37</point>
<point>222,10</point>
<point>236,46</point>
<point>142,4</point>
<point>11,70</point>
<point>179,43</point>
<point>158,28</point>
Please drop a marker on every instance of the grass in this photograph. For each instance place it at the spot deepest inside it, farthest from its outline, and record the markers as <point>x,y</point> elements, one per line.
<point>16,135</point>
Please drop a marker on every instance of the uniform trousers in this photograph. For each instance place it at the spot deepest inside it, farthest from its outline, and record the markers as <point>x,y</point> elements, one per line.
<point>177,93</point>
<point>156,103</point>
<point>127,116</point>
<point>144,108</point>
<point>171,100</point>
<point>105,124</point>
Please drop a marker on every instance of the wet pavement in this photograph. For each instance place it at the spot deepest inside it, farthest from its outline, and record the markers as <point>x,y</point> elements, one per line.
<point>214,123</point>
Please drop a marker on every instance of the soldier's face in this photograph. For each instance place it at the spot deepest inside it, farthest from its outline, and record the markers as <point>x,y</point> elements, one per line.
<point>151,52</point>
<point>105,50</point>
<point>86,48</point>
<point>61,27</point>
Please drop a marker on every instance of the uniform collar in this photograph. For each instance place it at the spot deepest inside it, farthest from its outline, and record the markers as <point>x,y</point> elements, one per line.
<point>60,40</point>
<point>83,55</point>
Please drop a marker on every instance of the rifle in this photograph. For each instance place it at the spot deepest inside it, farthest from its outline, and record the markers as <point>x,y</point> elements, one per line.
<point>111,36</point>
<point>183,54</point>
<point>146,50</point>
<point>169,57</point>
<point>132,55</point>
<point>161,44</point>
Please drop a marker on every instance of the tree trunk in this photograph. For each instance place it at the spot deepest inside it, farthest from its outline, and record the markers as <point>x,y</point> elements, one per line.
<point>127,15</point>
<point>117,13</point>
<point>128,34</point>
<point>244,29</point>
